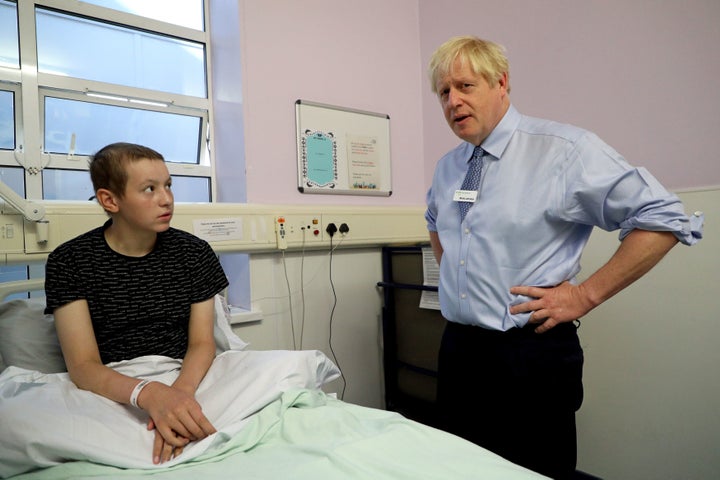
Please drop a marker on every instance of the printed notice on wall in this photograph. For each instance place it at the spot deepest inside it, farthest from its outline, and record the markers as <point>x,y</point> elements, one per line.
<point>363,162</point>
<point>319,159</point>
<point>342,151</point>
<point>218,229</point>
<point>431,278</point>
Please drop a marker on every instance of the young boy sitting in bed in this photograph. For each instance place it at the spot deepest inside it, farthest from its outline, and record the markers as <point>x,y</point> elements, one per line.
<point>136,287</point>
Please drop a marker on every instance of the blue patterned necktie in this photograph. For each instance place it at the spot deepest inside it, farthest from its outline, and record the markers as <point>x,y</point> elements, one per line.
<point>472,178</point>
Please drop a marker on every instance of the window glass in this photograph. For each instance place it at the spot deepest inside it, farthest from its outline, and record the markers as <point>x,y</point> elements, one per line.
<point>7,120</point>
<point>67,185</point>
<point>113,54</point>
<point>76,185</point>
<point>9,56</point>
<point>191,189</point>
<point>14,177</point>
<point>186,13</point>
<point>95,125</point>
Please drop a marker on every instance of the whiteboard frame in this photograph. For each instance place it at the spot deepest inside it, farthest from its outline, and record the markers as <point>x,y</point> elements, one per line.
<point>335,124</point>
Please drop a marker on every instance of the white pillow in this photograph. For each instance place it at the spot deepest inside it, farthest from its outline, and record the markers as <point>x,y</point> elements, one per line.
<point>28,339</point>
<point>225,338</point>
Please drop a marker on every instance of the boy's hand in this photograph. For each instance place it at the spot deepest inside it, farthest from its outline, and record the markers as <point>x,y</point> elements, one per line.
<point>176,417</point>
<point>163,451</point>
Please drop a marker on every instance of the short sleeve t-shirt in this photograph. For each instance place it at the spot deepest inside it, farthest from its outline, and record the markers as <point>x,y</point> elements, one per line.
<point>138,305</point>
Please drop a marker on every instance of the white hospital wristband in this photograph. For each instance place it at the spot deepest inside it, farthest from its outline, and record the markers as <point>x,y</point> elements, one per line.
<point>136,392</point>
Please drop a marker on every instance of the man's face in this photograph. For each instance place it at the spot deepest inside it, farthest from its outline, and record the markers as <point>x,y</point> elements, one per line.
<point>471,106</point>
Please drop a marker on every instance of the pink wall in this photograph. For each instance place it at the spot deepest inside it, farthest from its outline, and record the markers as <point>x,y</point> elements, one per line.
<point>642,74</point>
<point>359,54</point>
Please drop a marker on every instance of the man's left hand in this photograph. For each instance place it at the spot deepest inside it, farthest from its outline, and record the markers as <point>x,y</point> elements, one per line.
<point>552,306</point>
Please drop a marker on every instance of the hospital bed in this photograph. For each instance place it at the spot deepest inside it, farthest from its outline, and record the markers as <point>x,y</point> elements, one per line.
<point>272,416</point>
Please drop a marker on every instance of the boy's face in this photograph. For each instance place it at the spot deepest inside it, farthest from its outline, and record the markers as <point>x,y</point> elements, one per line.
<point>148,200</point>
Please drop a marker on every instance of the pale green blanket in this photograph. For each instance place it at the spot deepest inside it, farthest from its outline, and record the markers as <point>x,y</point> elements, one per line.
<point>308,435</point>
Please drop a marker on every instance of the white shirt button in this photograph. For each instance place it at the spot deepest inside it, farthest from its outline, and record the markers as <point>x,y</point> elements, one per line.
<point>463,296</point>
<point>462,262</point>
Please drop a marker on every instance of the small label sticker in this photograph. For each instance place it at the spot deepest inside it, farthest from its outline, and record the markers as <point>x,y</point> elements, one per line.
<point>465,196</point>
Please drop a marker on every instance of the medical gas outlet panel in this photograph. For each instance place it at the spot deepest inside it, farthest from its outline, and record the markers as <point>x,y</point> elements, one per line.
<point>229,228</point>
<point>298,231</point>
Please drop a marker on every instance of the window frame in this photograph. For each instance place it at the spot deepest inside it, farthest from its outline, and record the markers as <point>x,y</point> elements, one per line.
<point>7,157</point>
<point>31,87</point>
<point>72,161</point>
<point>25,82</point>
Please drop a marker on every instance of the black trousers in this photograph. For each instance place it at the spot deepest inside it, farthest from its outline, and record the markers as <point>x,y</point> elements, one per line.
<point>514,393</point>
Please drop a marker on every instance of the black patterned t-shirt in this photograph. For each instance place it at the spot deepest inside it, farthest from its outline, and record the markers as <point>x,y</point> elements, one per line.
<point>138,305</point>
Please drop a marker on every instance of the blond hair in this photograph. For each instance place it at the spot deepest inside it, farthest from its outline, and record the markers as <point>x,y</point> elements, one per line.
<point>484,57</point>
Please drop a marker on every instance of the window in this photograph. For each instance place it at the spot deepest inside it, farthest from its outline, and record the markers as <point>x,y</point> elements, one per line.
<point>121,55</point>
<point>75,76</point>
<point>107,71</point>
<point>81,127</point>
<point>9,53</point>
<point>7,120</point>
<point>188,13</point>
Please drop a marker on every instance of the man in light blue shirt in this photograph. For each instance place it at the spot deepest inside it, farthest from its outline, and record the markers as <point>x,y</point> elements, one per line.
<point>508,267</point>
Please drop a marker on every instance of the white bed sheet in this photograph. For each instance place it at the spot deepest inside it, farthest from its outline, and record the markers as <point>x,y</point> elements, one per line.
<point>273,422</point>
<point>46,420</point>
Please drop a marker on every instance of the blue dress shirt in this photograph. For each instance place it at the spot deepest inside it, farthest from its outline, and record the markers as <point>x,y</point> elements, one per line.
<point>544,186</point>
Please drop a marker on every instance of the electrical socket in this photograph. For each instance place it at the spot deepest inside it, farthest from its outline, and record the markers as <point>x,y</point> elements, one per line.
<point>342,226</point>
<point>331,229</point>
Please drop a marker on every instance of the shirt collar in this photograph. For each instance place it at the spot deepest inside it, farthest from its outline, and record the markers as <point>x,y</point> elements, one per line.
<point>496,143</point>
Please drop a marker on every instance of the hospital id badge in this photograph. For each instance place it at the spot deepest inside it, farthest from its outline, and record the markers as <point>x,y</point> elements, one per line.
<point>465,196</point>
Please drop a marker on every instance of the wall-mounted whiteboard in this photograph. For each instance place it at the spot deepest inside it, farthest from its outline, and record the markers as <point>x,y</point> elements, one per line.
<point>342,150</point>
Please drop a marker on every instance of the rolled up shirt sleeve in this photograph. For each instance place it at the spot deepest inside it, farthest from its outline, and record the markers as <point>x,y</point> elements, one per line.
<point>658,210</point>
<point>613,195</point>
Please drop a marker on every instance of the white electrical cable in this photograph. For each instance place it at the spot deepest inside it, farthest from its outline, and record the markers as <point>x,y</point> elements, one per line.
<point>332,315</point>
<point>292,320</point>
<point>302,288</point>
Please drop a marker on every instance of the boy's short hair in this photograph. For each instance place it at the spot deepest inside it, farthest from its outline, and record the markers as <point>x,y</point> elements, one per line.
<point>484,58</point>
<point>107,166</point>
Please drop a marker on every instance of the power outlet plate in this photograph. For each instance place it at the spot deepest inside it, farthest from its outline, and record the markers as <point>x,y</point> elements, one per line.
<point>339,221</point>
